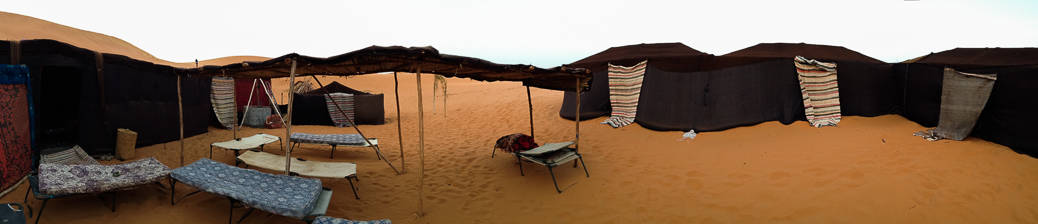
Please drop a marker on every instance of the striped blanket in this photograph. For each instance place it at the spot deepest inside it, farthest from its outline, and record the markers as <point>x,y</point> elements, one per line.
<point>821,94</point>
<point>625,86</point>
<point>222,97</point>
<point>963,97</point>
<point>345,102</point>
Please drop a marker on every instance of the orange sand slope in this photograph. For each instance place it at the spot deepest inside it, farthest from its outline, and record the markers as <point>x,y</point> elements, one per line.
<point>867,170</point>
<point>20,27</point>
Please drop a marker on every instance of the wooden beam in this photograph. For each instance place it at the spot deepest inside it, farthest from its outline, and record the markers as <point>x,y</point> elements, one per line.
<point>529,101</point>
<point>576,141</point>
<point>180,113</point>
<point>288,127</point>
<point>399,125</point>
<point>234,100</point>
<point>421,143</point>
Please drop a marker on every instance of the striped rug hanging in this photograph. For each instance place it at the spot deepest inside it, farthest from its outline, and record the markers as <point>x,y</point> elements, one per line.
<point>821,94</point>
<point>625,86</point>
<point>222,97</point>
<point>345,102</point>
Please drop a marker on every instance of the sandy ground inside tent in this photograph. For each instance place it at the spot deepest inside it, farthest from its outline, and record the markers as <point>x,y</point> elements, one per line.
<point>867,170</point>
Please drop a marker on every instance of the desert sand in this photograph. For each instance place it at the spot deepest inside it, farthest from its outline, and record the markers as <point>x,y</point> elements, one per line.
<point>21,27</point>
<point>867,170</point>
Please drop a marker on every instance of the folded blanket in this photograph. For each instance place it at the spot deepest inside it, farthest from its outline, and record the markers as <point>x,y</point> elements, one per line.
<point>820,91</point>
<point>61,179</point>
<point>517,142</point>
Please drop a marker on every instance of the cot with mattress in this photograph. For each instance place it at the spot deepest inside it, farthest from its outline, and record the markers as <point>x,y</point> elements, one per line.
<point>333,220</point>
<point>334,140</point>
<point>303,167</point>
<point>254,142</point>
<point>72,172</point>
<point>290,196</point>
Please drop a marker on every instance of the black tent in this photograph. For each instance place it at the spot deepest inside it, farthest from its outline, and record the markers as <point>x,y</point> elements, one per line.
<point>83,96</point>
<point>1007,119</point>
<point>313,110</point>
<point>595,101</point>
<point>746,87</point>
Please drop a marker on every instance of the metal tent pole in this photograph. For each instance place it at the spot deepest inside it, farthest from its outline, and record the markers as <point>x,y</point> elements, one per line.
<point>180,113</point>
<point>247,103</point>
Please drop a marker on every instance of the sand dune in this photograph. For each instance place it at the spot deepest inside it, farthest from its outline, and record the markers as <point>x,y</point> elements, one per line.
<point>20,27</point>
<point>867,170</point>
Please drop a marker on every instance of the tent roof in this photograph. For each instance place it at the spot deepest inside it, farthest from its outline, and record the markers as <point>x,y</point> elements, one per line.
<point>638,52</point>
<point>336,87</point>
<point>982,57</point>
<point>813,51</point>
<point>376,59</point>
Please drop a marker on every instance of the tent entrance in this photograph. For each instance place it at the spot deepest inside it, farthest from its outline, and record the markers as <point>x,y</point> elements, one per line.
<point>57,105</point>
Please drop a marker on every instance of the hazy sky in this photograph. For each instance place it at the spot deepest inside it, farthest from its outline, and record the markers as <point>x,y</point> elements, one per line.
<point>545,33</point>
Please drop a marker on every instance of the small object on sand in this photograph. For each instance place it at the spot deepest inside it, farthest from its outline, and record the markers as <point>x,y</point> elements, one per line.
<point>884,140</point>
<point>691,134</point>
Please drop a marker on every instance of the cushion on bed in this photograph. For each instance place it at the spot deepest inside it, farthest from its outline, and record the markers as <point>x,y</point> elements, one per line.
<point>279,194</point>
<point>62,179</point>
<point>333,220</point>
<point>332,139</point>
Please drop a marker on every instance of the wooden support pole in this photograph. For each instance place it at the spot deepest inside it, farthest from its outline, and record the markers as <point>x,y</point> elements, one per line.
<point>421,143</point>
<point>288,127</point>
<point>576,141</point>
<point>353,124</point>
<point>399,131</point>
<point>180,113</point>
<point>234,100</point>
<point>529,102</point>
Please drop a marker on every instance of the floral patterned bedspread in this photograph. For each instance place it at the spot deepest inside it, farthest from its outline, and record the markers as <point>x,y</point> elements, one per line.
<point>61,179</point>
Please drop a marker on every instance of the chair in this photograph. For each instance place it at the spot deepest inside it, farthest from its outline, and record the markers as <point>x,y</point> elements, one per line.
<point>301,167</point>
<point>551,155</point>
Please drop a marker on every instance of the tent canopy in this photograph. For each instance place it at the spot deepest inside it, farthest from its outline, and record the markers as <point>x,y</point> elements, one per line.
<point>637,53</point>
<point>982,57</point>
<point>377,59</point>
<point>813,51</point>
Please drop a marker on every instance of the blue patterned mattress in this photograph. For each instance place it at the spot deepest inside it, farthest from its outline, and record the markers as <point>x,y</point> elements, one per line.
<point>279,194</point>
<point>62,179</point>
<point>331,139</point>
<point>333,220</point>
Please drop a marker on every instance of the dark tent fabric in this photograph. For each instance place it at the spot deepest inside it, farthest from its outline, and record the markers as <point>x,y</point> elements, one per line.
<point>241,95</point>
<point>595,101</point>
<point>812,51</point>
<point>982,57</point>
<point>1008,117</point>
<point>312,109</point>
<point>15,125</point>
<point>80,102</point>
<point>428,60</point>
<point>710,93</point>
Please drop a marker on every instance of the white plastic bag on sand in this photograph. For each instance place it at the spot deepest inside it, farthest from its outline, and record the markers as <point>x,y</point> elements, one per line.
<point>691,134</point>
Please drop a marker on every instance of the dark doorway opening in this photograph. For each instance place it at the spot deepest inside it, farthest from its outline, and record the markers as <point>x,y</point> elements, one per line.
<point>57,93</point>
